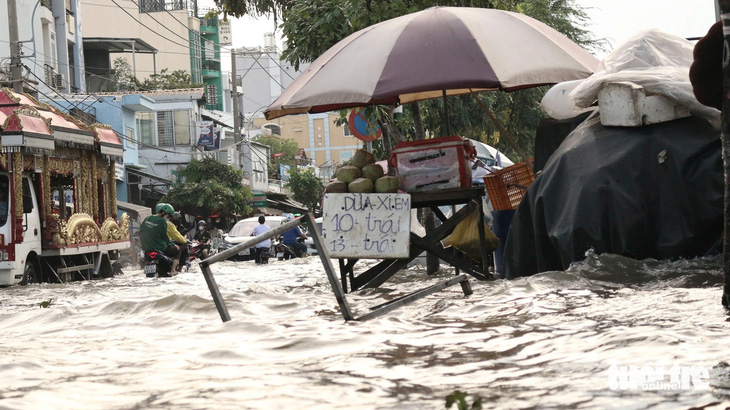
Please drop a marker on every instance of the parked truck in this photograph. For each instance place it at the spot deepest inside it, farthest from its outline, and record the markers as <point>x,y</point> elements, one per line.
<point>58,206</point>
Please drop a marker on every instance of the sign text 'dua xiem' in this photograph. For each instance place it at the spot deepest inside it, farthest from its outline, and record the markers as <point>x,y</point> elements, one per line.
<point>375,226</point>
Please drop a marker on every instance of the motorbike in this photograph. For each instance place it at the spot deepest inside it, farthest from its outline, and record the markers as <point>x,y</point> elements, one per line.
<point>195,251</point>
<point>261,255</point>
<point>157,264</point>
<point>286,252</point>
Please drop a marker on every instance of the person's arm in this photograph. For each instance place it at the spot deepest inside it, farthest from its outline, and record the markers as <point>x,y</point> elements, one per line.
<point>174,234</point>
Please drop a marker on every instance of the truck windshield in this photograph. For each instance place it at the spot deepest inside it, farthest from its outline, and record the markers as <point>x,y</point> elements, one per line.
<point>3,199</point>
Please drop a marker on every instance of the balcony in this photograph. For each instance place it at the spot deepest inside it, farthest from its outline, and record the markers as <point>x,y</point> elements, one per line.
<point>152,6</point>
<point>205,29</point>
<point>211,69</point>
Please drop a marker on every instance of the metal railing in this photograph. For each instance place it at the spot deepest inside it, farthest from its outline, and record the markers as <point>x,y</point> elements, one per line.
<point>347,314</point>
<point>152,6</point>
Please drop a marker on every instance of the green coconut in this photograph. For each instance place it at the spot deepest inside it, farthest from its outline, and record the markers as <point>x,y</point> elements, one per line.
<point>386,185</point>
<point>336,187</point>
<point>361,158</point>
<point>361,186</point>
<point>372,171</point>
<point>348,174</point>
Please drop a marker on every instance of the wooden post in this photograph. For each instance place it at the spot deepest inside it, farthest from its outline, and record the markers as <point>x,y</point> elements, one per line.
<point>725,16</point>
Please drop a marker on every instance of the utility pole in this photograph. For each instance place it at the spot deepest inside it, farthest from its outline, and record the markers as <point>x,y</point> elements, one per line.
<point>16,69</point>
<point>234,95</point>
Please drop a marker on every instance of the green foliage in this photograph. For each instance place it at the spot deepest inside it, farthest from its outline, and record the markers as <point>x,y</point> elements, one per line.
<point>305,187</point>
<point>46,303</point>
<point>124,79</point>
<point>286,146</point>
<point>210,186</point>
<point>178,79</point>
<point>459,398</point>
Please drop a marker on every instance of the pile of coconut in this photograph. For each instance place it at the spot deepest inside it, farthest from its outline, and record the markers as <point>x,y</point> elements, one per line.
<point>363,175</point>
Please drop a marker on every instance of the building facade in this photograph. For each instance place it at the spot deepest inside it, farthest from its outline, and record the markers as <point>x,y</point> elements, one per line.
<point>150,35</point>
<point>51,46</point>
<point>211,63</point>
<point>326,144</point>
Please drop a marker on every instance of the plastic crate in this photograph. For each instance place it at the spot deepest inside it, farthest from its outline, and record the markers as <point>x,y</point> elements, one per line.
<point>507,186</point>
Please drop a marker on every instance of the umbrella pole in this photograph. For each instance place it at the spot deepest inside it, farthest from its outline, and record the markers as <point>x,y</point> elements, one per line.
<point>446,115</point>
<point>502,131</point>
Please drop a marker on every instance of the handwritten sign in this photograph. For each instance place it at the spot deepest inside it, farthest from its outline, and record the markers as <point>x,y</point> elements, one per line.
<point>373,226</point>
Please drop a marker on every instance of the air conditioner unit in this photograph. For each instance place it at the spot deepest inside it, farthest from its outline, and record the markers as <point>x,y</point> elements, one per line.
<point>71,24</point>
<point>58,81</point>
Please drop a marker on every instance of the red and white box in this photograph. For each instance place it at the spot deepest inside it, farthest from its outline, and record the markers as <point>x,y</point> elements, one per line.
<point>434,164</point>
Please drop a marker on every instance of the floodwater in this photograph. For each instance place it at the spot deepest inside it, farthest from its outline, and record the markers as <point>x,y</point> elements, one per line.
<point>547,341</point>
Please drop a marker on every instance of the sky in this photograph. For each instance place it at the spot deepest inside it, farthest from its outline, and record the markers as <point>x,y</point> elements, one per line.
<point>614,20</point>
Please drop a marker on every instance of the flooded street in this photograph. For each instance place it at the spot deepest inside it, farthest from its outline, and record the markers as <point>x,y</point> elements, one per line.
<point>544,341</point>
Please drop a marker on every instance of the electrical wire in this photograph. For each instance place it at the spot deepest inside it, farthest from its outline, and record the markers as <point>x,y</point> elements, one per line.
<point>124,137</point>
<point>148,28</point>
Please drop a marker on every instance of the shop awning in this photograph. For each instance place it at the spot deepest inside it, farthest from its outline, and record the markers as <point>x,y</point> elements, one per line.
<point>109,142</point>
<point>65,129</point>
<point>266,211</point>
<point>24,127</point>
<point>137,212</point>
<point>287,204</point>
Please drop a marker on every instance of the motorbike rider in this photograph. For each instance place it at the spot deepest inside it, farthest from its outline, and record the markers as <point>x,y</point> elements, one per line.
<point>154,236</point>
<point>180,225</point>
<point>264,245</point>
<point>174,233</point>
<point>203,236</point>
<point>290,239</point>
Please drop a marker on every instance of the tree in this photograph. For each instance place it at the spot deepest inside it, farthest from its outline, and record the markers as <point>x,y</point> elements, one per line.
<point>123,77</point>
<point>305,187</point>
<point>175,80</point>
<point>287,147</point>
<point>210,186</point>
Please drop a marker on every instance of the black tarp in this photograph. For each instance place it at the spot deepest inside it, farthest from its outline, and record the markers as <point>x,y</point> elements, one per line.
<point>643,192</point>
<point>550,134</point>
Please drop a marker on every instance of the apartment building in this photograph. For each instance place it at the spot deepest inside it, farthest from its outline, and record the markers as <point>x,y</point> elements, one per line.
<point>51,46</point>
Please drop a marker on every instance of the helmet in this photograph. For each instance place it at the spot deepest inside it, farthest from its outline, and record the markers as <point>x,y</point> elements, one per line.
<point>166,208</point>
<point>201,222</point>
<point>176,215</point>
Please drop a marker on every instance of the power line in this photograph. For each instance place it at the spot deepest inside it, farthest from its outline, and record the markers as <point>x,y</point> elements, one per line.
<point>120,135</point>
<point>148,28</point>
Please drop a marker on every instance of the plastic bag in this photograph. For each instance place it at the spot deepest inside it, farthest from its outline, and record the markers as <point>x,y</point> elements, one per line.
<point>557,102</point>
<point>655,60</point>
<point>466,238</point>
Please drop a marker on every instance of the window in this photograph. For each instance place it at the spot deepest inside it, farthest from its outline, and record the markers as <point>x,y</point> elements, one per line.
<point>196,58</point>
<point>146,127</point>
<point>211,94</point>
<point>173,128</point>
<point>275,129</point>
<point>182,127</point>
<point>131,139</point>
<point>347,131</point>
<point>164,128</point>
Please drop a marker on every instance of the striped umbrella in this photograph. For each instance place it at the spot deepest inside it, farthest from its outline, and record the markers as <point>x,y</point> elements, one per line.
<point>435,52</point>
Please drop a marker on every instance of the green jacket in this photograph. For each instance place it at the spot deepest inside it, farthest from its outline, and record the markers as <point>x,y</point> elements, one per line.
<point>153,234</point>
